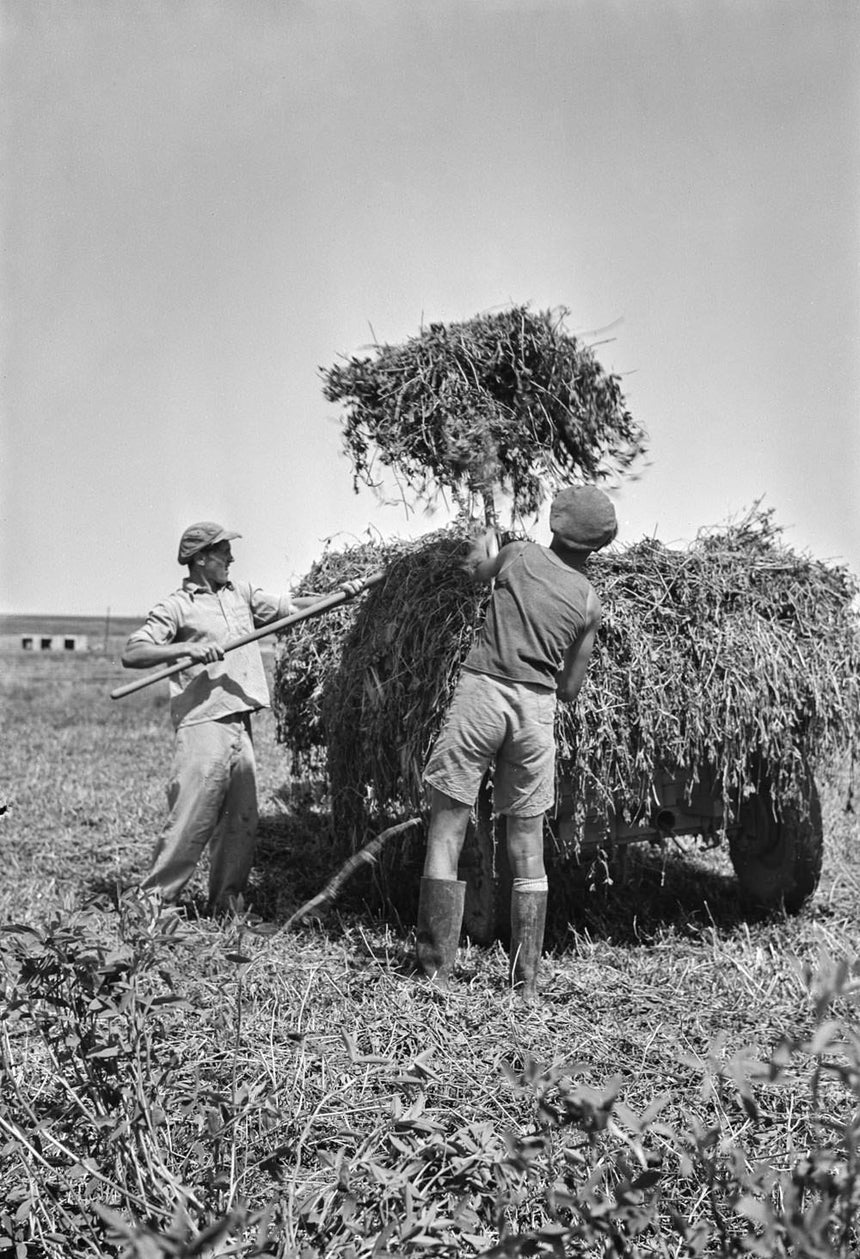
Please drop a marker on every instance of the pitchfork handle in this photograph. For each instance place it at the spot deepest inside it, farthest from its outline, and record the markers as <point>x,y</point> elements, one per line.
<point>322,605</point>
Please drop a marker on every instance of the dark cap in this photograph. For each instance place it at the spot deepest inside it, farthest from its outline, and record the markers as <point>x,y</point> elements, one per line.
<point>198,537</point>
<point>583,518</point>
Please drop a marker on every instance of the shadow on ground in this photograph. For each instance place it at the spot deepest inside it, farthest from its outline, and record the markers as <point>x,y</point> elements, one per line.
<point>661,887</point>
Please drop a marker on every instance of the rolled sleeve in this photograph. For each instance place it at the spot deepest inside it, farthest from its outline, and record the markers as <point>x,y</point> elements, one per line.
<point>266,607</point>
<point>160,627</point>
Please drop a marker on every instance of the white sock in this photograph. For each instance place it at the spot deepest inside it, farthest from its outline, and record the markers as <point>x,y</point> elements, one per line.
<point>531,885</point>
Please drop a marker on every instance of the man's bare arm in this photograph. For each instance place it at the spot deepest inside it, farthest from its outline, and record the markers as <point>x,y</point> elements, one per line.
<point>350,588</point>
<point>143,655</point>
<point>484,560</point>
<point>571,676</point>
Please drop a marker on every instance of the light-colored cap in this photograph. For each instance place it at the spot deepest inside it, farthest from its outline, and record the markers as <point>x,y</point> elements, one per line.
<point>197,537</point>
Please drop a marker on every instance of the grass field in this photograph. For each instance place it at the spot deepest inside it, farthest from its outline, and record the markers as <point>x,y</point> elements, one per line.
<point>689,1084</point>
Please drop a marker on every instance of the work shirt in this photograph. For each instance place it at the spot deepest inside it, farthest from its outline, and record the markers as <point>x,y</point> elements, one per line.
<point>537,612</point>
<point>236,684</point>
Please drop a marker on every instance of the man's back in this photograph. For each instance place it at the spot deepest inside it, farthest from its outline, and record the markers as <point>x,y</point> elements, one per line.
<point>538,609</point>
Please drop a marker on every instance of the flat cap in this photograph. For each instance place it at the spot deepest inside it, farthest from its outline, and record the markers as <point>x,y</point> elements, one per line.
<point>583,518</point>
<point>200,535</point>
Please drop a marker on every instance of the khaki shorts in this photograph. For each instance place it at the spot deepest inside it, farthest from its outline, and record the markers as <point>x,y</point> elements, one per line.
<point>511,723</point>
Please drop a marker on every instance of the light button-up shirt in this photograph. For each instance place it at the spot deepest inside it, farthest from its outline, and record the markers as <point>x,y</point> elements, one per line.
<point>236,684</point>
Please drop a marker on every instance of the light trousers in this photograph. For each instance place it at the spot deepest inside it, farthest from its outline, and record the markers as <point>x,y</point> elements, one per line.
<point>212,799</point>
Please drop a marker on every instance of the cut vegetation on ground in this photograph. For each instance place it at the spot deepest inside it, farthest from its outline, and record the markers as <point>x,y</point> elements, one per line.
<point>174,1086</point>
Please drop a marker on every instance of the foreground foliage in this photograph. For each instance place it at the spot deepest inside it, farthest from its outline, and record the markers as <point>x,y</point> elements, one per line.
<point>161,1096</point>
<point>115,1143</point>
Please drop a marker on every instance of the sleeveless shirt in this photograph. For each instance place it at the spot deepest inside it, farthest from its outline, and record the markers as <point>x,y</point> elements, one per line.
<point>537,611</point>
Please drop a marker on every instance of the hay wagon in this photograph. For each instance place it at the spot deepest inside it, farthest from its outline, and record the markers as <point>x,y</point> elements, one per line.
<point>776,846</point>
<point>723,677</point>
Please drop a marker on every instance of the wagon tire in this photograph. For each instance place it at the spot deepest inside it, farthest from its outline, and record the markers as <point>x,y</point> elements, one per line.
<point>777,852</point>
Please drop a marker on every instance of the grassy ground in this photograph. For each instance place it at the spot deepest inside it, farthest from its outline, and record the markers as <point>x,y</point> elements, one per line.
<point>308,1096</point>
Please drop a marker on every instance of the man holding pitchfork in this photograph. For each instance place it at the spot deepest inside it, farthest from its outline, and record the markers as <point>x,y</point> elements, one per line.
<point>212,792</point>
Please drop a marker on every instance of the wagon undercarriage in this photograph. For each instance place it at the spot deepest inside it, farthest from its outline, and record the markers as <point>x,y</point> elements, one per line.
<point>775,847</point>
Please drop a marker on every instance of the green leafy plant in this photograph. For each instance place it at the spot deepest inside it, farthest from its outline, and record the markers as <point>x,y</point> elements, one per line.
<point>91,1112</point>
<point>613,1178</point>
<point>114,1146</point>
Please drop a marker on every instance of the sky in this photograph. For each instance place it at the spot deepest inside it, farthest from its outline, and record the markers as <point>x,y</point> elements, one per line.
<point>204,202</point>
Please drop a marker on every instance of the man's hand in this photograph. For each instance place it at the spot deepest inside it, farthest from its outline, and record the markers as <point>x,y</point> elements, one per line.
<point>353,587</point>
<point>205,653</point>
<point>481,560</point>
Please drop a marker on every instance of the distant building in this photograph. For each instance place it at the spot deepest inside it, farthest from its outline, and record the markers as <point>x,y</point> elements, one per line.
<point>55,642</point>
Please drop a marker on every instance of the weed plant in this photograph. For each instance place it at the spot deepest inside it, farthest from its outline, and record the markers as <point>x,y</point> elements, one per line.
<point>176,1086</point>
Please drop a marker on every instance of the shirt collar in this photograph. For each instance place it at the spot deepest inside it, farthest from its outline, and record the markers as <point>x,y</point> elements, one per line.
<point>191,588</point>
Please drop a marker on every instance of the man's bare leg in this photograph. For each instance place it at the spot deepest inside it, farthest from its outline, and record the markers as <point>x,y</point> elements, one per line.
<point>445,835</point>
<point>525,846</point>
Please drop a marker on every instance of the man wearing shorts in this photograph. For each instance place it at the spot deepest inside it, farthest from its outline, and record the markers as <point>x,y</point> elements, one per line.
<point>533,649</point>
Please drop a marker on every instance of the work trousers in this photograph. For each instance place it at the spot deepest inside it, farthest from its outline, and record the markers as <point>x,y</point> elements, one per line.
<point>212,799</point>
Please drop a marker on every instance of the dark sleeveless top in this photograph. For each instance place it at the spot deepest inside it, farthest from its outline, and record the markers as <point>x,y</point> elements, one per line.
<point>537,611</point>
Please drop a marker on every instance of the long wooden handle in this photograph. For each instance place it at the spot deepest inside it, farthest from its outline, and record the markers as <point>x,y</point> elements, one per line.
<point>274,627</point>
<point>367,854</point>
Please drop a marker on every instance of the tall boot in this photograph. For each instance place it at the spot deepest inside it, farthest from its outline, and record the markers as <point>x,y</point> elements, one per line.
<point>528,918</point>
<point>440,915</point>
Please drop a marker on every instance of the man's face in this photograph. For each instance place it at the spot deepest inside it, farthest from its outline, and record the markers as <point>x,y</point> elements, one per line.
<point>215,562</point>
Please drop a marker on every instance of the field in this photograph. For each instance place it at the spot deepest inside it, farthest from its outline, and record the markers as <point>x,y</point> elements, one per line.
<point>172,1085</point>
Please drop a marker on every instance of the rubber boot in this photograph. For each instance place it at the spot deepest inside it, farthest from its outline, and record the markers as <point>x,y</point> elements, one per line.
<point>440,915</point>
<point>528,918</point>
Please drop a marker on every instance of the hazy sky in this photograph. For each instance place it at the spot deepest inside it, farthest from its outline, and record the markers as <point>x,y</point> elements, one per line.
<point>204,201</point>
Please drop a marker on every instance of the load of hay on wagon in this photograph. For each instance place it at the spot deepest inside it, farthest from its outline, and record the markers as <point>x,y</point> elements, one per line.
<point>715,659</point>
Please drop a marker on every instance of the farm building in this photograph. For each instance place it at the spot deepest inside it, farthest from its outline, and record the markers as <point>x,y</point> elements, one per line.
<point>54,642</point>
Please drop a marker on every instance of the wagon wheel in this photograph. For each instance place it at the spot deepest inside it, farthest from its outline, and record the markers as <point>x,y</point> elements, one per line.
<point>777,851</point>
<point>485,867</point>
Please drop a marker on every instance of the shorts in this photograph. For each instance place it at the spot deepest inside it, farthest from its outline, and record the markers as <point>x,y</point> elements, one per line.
<point>511,723</point>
